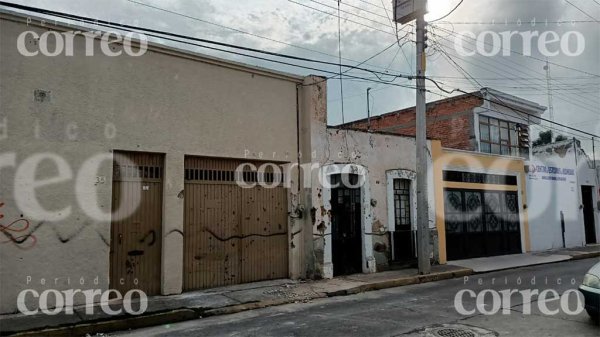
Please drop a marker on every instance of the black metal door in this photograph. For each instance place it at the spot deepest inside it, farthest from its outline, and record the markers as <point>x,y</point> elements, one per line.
<point>481,223</point>
<point>588,214</point>
<point>346,225</point>
<point>402,237</point>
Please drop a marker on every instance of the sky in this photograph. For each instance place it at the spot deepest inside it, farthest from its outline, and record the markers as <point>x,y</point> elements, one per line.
<point>309,28</point>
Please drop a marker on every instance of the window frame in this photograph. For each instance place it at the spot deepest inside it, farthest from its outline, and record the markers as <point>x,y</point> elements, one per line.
<point>402,197</point>
<point>492,140</point>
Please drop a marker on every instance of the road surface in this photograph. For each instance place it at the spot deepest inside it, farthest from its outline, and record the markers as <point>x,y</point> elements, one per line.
<point>418,310</point>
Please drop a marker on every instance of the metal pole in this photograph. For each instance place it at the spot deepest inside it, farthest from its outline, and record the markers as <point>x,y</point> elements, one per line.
<point>594,151</point>
<point>368,111</point>
<point>422,151</point>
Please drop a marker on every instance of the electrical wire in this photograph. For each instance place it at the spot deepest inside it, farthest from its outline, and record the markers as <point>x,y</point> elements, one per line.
<point>349,13</point>
<point>366,60</point>
<point>452,11</point>
<point>241,31</point>
<point>166,37</point>
<point>582,11</point>
<point>345,19</point>
<point>526,69</point>
<point>502,72</point>
<point>516,52</point>
<point>519,23</point>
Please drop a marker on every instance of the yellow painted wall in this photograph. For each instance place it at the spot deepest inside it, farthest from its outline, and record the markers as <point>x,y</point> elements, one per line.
<point>461,160</point>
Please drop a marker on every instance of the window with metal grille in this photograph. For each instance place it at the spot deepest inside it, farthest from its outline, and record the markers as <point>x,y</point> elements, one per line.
<point>136,172</point>
<point>479,178</point>
<point>402,202</point>
<point>195,174</point>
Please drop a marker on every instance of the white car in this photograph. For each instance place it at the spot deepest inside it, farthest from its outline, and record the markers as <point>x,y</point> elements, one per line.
<point>591,291</point>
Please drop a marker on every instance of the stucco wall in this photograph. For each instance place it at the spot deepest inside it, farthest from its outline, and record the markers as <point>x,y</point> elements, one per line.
<point>378,154</point>
<point>465,161</point>
<point>554,192</point>
<point>164,101</point>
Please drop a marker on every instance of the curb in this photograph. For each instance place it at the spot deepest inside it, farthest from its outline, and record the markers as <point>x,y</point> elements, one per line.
<point>181,315</point>
<point>585,255</point>
<point>173,316</point>
<point>401,282</point>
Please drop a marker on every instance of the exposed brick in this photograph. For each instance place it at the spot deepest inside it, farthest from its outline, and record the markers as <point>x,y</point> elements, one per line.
<point>449,120</point>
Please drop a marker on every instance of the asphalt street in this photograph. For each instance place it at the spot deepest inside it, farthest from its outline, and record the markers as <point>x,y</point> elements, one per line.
<point>420,310</point>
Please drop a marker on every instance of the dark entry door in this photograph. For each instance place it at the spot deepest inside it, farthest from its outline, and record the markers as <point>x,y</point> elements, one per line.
<point>588,214</point>
<point>346,225</point>
<point>481,223</point>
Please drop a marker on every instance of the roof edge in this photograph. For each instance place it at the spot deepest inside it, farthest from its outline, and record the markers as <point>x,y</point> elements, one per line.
<point>62,25</point>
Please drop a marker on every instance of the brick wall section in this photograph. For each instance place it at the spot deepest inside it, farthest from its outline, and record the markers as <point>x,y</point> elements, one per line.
<point>449,120</point>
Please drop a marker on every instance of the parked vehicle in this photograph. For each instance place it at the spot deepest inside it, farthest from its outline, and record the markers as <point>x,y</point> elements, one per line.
<point>591,291</point>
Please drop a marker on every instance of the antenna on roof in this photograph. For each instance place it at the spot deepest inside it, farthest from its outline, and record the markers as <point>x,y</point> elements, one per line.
<point>549,86</point>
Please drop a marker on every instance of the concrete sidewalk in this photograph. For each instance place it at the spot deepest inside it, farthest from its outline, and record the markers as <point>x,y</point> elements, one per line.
<point>218,301</point>
<point>495,263</point>
<point>237,298</point>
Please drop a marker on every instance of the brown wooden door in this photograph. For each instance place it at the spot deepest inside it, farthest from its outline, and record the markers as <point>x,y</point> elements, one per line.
<point>136,229</point>
<point>231,234</point>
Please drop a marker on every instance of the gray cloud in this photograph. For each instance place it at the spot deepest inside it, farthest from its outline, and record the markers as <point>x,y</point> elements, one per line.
<point>314,34</point>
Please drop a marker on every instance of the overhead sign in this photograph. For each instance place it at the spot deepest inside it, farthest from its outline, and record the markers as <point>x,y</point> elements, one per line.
<point>407,10</point>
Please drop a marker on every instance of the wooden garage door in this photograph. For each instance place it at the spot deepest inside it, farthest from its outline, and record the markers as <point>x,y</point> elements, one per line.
<point>136,228</point>
<point>232,234</point>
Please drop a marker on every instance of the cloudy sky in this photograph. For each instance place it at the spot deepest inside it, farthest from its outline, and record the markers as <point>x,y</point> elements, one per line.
<point>309,28</point>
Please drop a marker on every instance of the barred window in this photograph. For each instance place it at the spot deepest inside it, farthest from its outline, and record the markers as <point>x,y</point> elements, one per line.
<point>402,202</point>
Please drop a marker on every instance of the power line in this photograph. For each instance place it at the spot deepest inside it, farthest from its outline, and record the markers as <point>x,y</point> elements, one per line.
<point>502,70</point>
<point>499,72</point>
<point>374,5</point>
<point>361,9</point>
<point>582,11</point>
<point>527,69</point>
<point>517,52</point>
<point>169,36</point>
<point>519,23</point>
<point>349,13</point>
<point>398,38</point>
<point>242,31</point>
<point>222,44</point>
<point>165,35</point>
<point>452,11</point>
<point>366,60</point>
<point>346,19</point>
<point>512,108</point>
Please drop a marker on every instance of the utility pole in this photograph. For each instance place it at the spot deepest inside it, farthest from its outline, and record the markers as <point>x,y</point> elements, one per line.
<point>422,151</point>
<point>406,11</point>
<point>368,111</point>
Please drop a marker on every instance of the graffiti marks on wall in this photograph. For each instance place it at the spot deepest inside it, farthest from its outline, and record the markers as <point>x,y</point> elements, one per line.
<point>14,232</point>
<point>21,233</point>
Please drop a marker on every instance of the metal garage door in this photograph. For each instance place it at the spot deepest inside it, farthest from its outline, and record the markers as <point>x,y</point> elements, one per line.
<point>481,223</point>
<point>232,234</point>
<point>136,228</point>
